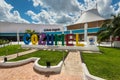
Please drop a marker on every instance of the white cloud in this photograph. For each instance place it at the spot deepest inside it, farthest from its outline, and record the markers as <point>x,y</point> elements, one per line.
<point>105,8</point>
<point>58,11</point>
<point>6,15</point>
<point>68,11</point>
<point>49,17</point>
<point>59,5</point>
<point>89,4</point>
<point>37,2</point>
<point>118,9</point>
<point>64,19</point>
<point>42,17</point>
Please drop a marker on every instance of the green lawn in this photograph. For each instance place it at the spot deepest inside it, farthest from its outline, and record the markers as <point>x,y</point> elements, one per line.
<point>10,49</point>
<point>54,57</point>
<point>105,65</point>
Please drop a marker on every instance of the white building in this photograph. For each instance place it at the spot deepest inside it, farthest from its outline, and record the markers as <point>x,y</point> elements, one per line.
<point>11,30</point>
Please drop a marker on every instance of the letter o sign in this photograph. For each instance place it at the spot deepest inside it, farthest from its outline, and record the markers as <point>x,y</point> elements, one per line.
<point>34,39</point>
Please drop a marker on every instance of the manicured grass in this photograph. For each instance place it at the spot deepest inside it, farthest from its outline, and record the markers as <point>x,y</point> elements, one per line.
<point>105,65</point>
<point>10,49</point>
<point>54,57</point>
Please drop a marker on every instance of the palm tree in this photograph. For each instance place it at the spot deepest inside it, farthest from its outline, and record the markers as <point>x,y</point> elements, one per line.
<point>104,32</point>
<point>30,31</point>
<point>116,25</point>
<point>109,28</point>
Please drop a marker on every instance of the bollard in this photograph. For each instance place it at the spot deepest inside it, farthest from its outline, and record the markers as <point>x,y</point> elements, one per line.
<point>5,59</point>
<point>48,64</point>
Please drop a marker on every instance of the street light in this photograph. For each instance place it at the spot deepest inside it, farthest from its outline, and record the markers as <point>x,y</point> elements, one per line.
<point>17,52</point>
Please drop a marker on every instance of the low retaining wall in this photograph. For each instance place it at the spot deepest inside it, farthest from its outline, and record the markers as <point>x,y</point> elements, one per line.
<point>17,63</point>
<point>55,69</point>
<point>37,67</point>
<point>88,76</point>
<point>85,48</point>
<point>116,44</point>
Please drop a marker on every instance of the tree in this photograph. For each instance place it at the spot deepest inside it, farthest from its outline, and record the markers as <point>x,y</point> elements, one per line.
<point>116,25</point>
<point>30,31</point>
<point>104,32</point>
<point>109,28</point>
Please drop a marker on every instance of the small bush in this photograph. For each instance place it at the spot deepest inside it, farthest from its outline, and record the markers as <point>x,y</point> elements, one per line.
<point>2,41</point>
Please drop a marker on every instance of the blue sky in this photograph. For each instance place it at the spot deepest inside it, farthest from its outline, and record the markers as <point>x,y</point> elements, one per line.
<point>53,11</point>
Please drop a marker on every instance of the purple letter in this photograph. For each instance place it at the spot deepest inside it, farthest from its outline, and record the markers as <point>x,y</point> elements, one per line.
<point>41,39</point>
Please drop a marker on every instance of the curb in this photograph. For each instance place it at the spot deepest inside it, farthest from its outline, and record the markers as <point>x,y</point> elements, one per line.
<point>36,66</point>
<point>55,69</point>
<point>88,76</point>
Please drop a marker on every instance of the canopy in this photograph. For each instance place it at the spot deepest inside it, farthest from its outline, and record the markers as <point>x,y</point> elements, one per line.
<point>90,16</point>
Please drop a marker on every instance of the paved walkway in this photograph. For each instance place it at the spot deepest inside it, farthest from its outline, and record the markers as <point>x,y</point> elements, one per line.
<point>19,54</point>
<point>71,70</point>
<point>72,65</point>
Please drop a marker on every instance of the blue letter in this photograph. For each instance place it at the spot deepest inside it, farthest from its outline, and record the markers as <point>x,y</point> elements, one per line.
<point>26,39</point>
<point>50,39</point>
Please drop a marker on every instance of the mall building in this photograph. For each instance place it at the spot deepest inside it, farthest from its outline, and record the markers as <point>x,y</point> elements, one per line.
<point>90,21</point>
<point>88,24</point>
<point>14,31</point>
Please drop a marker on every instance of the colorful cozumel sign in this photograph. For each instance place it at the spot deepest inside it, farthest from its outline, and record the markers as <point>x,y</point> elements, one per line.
<point>51,39</point>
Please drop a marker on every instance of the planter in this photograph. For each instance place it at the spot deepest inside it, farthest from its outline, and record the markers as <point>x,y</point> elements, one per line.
<point>37,67</point>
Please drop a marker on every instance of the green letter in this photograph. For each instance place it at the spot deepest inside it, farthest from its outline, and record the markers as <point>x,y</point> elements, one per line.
<point>59,38</point>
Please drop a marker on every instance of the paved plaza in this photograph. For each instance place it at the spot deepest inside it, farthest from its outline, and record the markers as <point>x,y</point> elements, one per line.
<point>71,70</point>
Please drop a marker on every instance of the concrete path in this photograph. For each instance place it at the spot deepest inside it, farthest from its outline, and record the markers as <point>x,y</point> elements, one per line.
<point>17,54</point>
<point>71,70</point>
<point>73,65</point>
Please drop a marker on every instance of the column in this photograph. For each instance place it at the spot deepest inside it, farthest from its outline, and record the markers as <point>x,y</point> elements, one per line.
<point>85,32</point>
<point>18,37</point>
<point>70,31</point>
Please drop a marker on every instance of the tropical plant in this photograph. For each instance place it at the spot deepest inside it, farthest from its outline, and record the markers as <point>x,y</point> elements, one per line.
<point>30,31</point>
<point>116,25</point>
<point>109,28</point>
<point>2,41</point>
<point>105,31</point>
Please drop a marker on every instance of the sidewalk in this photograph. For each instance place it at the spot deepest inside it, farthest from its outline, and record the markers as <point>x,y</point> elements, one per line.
<point>19,54</point>
<point>73,66</point>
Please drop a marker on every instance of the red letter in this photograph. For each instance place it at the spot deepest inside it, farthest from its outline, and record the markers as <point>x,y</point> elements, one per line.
<point>69,38</point>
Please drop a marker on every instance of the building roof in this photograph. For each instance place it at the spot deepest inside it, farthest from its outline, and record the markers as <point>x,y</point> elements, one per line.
<point>90,16</point>
<point>10,27</point>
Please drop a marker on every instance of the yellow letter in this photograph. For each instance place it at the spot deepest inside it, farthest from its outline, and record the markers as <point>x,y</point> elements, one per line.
<point>77,41</point>
<point>34,39</point>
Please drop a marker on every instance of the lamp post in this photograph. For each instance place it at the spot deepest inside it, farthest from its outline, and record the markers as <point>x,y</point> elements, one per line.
<point>63,56</point>
<point>17,52</point>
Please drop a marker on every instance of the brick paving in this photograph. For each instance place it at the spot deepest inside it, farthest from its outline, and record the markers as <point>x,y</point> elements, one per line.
<point>71,70</point>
